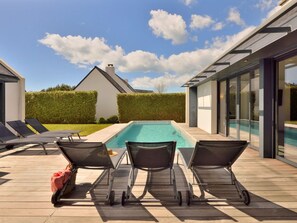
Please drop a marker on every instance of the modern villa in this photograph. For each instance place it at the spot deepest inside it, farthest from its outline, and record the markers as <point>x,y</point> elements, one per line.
<point>250,92</point>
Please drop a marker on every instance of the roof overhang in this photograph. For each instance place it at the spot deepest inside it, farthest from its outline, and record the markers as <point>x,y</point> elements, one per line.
<point>275,36</point>
<point>6,74</point>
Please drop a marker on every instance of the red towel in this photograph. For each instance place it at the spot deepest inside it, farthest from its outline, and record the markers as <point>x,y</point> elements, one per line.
<point>59,179</point>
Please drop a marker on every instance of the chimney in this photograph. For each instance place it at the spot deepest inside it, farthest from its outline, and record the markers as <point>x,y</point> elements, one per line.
<point>110,70</point>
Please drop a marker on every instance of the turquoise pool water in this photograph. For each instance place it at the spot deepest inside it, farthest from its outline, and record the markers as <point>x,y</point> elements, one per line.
<point>150,132</point>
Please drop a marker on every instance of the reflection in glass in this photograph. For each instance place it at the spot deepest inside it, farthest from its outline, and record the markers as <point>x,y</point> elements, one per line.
<point>232,107</point>
<point>222,117</point>
<point>255,109</point>
<point>244,107</point>
<point>287,109</point>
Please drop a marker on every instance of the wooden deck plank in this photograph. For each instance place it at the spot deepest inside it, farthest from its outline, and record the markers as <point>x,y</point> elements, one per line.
<point>25,192</point>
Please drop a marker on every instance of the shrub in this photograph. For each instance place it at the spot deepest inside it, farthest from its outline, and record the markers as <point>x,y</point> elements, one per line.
<point>151,106</point>
<point>102,120</point>
<point>113,119</point>
<point>62,106</point>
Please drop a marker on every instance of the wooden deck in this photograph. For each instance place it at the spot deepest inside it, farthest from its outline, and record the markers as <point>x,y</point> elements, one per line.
<point>25,192</point>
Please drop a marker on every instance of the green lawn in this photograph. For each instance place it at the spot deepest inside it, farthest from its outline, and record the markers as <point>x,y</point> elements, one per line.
<point>86,129</point>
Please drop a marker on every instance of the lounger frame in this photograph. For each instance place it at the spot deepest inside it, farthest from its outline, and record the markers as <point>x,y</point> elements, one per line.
<point>23,130</point>
<point>7,138</point>
<point>39,127</point>
<point>208,155</point>
<point>151,157</point>
<point>90,155</point>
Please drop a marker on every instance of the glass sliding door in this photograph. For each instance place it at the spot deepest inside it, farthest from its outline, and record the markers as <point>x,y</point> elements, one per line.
<point>287,110</point>
<point>243,107</point>
<point>244,121</point>
<point>222,112</point>
<point>233,124</point>
<point>254,100</point>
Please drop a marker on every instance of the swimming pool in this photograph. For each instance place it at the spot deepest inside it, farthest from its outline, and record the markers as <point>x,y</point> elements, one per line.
<point>151,131</point>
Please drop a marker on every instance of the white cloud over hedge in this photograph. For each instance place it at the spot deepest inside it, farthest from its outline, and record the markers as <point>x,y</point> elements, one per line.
<point>175,69</point>
<point>168,26</point>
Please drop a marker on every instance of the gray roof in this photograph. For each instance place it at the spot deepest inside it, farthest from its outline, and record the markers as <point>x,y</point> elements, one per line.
<point>115,82</point>
<point>110,79</point>
<point>6,75</point>
<point>282,25</point>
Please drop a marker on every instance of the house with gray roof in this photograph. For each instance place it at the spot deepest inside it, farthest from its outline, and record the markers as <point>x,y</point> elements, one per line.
<point>108,85</point>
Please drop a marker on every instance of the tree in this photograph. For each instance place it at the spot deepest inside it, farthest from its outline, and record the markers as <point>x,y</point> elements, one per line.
<point>160,87</point>
<point>62,87</point>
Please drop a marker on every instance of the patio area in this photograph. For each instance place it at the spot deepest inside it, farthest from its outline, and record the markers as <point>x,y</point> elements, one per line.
<point>25,191</point>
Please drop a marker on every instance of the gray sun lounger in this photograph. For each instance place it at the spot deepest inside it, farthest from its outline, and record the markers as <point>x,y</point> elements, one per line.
<point>209,155</point>
<point>151,157</point>
<point>39,127</point>
<point>7,138</point>
<point>91,155</point>
<point>22,129</point>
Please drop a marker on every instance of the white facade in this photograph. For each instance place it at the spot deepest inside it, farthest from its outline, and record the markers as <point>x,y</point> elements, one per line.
<point>14,96</point>
<point>207,107</point>
<point>187,118</point>
<point>108,85</point>
<point>15,101</point>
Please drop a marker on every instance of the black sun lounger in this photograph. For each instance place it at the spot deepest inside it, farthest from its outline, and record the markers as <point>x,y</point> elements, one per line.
<point>22,129</point>
<point>39,127</point>
<point>151,157</point>
<point>209,155</point>
<point>90,155</point>
<point>7,138</point>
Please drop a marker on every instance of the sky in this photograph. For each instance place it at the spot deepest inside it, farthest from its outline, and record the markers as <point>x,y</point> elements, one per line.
<point>149,42</point>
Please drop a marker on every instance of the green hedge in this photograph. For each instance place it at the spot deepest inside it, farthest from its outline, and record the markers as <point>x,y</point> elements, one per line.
<point>151,107</point>
<point>62,106</point>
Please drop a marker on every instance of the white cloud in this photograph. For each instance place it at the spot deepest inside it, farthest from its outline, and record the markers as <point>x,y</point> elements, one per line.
<point>141,61</point>
<point>189,2</point>
<point>177,68</point>
<point>266,4</point>
<point>168,26</point>
<point>234,16</point>
<point>218,26</point>
<point>274,10</point>
<point>167,79</point>
<point>83,51</point>
<point>226,42</point>
<point>200,22</point>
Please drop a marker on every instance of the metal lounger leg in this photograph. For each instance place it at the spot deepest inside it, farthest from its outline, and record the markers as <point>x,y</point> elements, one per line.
<point>110,183</point>
<point>43,146</point>
<point>173,182</point>
<point>235,182</point>
<point>99,179</point>
<point>131,181</point>
<point>200,184</point>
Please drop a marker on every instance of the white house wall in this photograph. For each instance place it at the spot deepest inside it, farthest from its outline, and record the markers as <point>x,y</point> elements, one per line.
<point>207,107</point>
<point>106,105</point>
<point>187,106</point>
<point>15,101</point>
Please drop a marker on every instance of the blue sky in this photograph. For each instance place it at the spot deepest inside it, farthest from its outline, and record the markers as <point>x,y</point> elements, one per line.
<point>150,42</point>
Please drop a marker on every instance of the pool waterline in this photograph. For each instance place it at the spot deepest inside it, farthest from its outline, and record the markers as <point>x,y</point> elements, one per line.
<point>151,131</point>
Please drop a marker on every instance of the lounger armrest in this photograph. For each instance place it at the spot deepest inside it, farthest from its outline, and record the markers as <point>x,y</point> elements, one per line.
<point>185,154</point>
<point>116,160</point>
